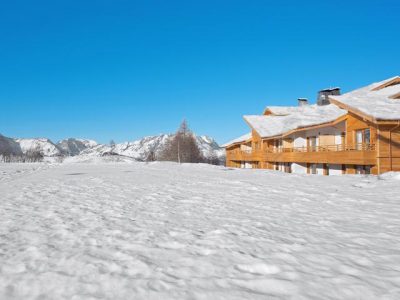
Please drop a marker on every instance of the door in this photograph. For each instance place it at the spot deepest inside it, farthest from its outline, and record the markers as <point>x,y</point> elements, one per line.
<point>287,145</point>
<point>312,143</point>
<point>359,139</point>
<point>343,140</point>
<point>278,145</point>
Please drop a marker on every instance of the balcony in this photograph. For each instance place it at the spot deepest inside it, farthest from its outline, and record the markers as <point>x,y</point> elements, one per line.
<point>362,154</point>
<point>244,155</point>
<point>327,148</point>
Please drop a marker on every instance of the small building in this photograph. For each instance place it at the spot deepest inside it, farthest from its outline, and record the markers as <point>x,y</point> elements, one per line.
<point>354,133</point>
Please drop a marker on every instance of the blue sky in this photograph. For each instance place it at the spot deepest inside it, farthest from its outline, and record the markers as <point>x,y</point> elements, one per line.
<point>126,69</point>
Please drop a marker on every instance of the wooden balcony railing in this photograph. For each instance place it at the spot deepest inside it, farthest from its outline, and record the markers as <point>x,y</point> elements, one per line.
<point>310,153</point>
<point>339,147</point>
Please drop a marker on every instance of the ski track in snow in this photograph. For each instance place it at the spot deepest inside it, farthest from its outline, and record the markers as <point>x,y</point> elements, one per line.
<point>168,231</point>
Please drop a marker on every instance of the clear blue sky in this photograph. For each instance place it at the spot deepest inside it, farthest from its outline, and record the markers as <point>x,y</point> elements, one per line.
<point>125,69</point>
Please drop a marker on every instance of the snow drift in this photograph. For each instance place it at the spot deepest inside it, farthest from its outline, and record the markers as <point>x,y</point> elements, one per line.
<point>194,231</point>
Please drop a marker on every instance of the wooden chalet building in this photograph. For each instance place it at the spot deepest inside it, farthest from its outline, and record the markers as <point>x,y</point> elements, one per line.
<point>354,133</point>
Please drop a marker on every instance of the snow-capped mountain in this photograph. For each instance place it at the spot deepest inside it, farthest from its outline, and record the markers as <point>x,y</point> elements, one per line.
<point>9,146</point>
<point>74,147</point>
<point>210,148</point>
<point>43,145</point>
<point>138,150</point>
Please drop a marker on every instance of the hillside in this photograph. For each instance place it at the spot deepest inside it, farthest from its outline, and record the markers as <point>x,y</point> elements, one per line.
<point>9,146</point>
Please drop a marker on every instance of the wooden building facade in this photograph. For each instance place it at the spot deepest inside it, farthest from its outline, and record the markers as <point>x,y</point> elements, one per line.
<point>354,133</point>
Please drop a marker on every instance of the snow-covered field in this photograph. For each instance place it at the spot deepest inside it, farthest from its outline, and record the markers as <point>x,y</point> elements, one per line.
<point>168,231</point>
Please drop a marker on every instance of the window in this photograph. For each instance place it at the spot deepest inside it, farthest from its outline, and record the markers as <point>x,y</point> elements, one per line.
<point>362,138</point>
<point>367,136</point>
<point>359,139</point>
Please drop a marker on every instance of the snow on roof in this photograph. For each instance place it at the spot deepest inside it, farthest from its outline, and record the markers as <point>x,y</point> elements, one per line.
<point>303,116</point>
<point>283,110</point>
<point>242,138</point>
<point>330,89</point>
<point>374,100</point>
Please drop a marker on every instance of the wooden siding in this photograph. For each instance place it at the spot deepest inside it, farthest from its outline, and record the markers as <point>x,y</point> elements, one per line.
<point>389,148</point>
<point>382,153</point>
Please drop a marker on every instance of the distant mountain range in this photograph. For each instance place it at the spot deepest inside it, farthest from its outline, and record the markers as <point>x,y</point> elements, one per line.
<point>139,150</point>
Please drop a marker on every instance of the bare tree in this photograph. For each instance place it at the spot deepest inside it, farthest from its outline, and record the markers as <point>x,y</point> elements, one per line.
<point>34,155</point>
<point>212,158</point>
<point>182,147</point>
<point>6,155</point>
<point>151,156</point>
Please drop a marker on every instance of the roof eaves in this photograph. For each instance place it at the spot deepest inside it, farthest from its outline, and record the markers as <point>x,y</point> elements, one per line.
<point>352,109</point>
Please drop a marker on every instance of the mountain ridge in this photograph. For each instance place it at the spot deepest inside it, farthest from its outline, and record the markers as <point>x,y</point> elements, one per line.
<point>137,149</point>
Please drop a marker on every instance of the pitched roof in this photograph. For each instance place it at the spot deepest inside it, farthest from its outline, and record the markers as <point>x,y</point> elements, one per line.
<point>303,116</point>
<point>240,139</point>
<point>378,100</point>
<point>282,110</point>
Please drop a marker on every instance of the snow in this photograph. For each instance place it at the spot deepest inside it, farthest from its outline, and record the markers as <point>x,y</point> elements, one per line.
<point>240,139</point>
<point>308,115</point>
<point>47,147</point>
<point>283,110</point>
<point>167,231</point>
<point>209,147</point>
<point>377,104</point>
<point>74,146</point>
<point>137,149</point>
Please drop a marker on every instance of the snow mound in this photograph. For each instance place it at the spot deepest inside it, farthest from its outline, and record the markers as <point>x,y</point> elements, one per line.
<point>390,176</point>
<point>99,159</point>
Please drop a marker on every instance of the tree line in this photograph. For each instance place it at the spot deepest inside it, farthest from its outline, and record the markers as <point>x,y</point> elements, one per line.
<point>33,155</point>
<point>183,148</point>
